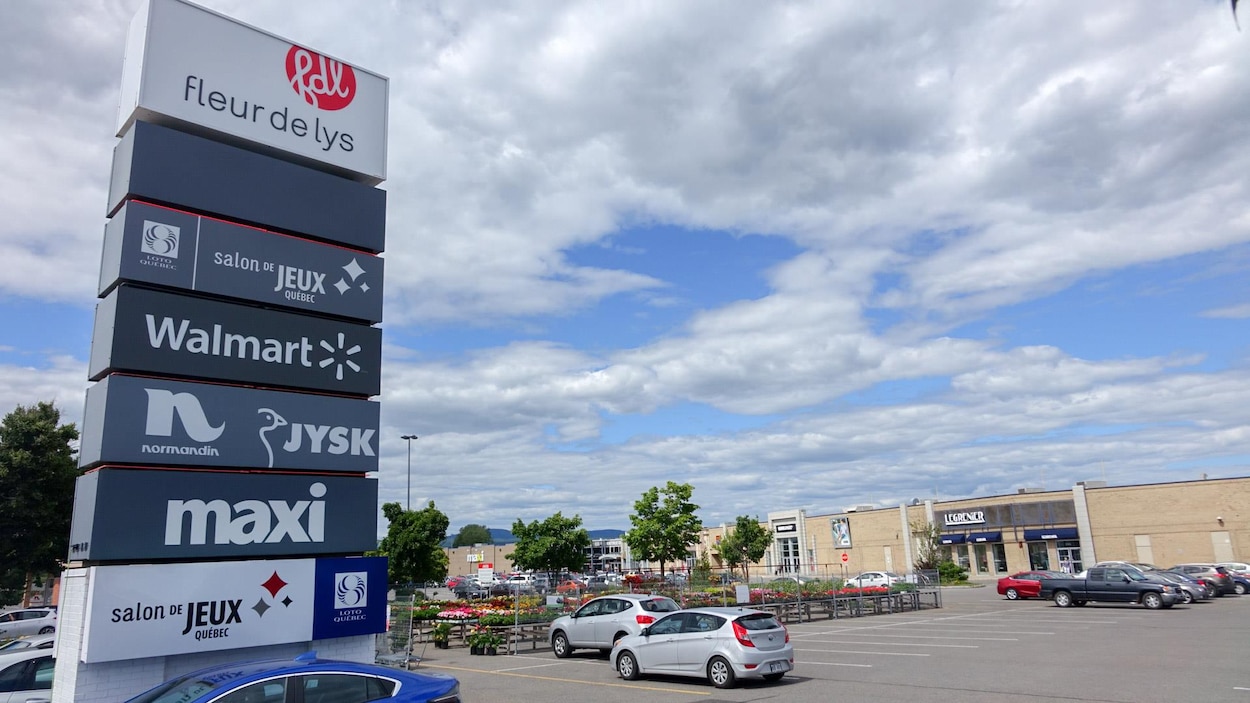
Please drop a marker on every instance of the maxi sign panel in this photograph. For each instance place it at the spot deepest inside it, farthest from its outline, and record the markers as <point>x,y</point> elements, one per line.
<point>138,611</point>
<point>167,247</point>
<point>135,420</point>
<point>135,515</point>
<point>154,332</point>
<point>189,65</point>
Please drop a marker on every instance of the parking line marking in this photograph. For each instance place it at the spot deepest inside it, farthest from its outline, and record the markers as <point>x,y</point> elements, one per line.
<point>531,666</point>
<point>902,644</point>
<point>1004,632</point>
<point>576,681</point>
<point>936,637</point>
<point>856,651</point>
<point>860,666</point>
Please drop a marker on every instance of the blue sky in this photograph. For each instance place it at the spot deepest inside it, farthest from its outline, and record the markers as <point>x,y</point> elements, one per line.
<point>810,255</point>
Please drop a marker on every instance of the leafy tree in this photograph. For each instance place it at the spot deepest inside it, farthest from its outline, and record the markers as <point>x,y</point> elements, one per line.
<point>746,545</point>
<point>413,543</point>
<point>703,569</point>
<point>664,524</point>
<point>472,534</point>
<point>928,540</point>
<point>551,545</point>
<point>37,473</point>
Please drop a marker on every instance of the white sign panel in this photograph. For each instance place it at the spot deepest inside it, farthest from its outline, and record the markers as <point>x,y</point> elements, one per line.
<point>155,610</point>
<point>971,517</point>
<point>189,66</point>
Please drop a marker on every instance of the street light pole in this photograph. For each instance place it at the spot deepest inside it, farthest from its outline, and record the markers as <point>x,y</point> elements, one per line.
<point>408,496</point>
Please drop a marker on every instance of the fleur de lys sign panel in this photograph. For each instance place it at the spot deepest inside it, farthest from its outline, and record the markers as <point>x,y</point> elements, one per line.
<point>190,66</point>
<point>156,332</point>
<point>161,422</point>
<point>144,514</point>
<point>150,610</point>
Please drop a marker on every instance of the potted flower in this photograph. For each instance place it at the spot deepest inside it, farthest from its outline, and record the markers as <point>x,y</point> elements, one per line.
<point>492,641</point>
<point>477,639</point>
<point>441,633</point>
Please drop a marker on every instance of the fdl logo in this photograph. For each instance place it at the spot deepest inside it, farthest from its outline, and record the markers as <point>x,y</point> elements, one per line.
<point>321,81</point>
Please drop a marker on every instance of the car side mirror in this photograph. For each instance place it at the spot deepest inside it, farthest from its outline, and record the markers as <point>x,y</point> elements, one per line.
<point>1125,579</point>
<point>646,632</point>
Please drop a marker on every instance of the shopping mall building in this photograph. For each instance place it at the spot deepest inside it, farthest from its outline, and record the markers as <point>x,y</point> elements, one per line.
<point>1163,524</point>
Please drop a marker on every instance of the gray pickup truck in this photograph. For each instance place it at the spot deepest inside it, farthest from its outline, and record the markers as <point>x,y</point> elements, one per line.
<point>1111,584</point>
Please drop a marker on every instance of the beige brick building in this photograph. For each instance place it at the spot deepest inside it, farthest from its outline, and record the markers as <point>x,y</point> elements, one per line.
<point>1164,524</point>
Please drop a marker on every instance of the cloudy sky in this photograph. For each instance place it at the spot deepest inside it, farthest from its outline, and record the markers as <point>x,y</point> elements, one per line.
<point>800,255</point>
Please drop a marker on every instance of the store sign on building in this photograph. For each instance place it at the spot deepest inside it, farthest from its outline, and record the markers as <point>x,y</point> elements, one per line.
<point>151,610</point>
<point>190,66</point>
<point>151,331</point>
<point>968,517</point>
<point>137,515</point>
<point>165,247</point>
<point>138,420</point>
<point>788,527</point>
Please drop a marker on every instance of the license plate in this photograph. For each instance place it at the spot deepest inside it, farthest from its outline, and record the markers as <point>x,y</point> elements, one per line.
<point>774,667</point>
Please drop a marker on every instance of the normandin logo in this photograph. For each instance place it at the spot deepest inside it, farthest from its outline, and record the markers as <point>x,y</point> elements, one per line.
<point>321,81</point>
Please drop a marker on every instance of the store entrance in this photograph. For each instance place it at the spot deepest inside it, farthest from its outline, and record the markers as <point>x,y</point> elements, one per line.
<point>1039,557</point>
<point>1069,556</point>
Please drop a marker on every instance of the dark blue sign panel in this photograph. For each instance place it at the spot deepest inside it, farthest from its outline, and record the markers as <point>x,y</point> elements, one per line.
<point>349,597</point>
<point>169,167</point>
<point>143,514</point>
<point>166,247</point>
<point>147,331</point>
<point>136,420</point>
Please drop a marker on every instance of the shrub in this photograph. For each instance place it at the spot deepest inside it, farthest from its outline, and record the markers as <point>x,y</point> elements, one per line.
<point>950,572</point>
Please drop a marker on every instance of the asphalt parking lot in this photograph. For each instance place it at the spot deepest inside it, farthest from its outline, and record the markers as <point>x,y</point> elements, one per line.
<point>978,648</point>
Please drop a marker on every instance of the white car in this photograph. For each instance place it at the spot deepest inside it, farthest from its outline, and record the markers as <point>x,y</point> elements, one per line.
<point>28,642</point>
<point>604,620</point>
<point>868,579</point>
<point>30,621</point>
<point>26,676</point>
<point>1238,566</point>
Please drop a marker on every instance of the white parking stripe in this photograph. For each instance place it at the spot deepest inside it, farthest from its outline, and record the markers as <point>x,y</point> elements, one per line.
<point>900,644</point>
<point>856,651</point>
<point>936,637</point>
<point>532,666</point>
<point>862,666</point>
<point>1007,632</point>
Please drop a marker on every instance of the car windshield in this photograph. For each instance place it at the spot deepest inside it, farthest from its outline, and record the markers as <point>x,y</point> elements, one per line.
<point>1135,575</point>
<point>659,605</point>
<point>758,621</point>
<point>183,689</point>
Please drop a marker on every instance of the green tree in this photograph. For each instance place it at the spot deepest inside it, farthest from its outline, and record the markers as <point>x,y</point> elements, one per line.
<point>551,545</point>
<point>37,473</point>
<point>413,543</point>
<point>472,534</point>
<point>928,540</point>
<point>746,545</point>
<point>664,524</point>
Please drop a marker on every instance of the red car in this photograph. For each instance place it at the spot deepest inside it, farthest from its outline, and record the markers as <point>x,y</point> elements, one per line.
<point>1026,584</point>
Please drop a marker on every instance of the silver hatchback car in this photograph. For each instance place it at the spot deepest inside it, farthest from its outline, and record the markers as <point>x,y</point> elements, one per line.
<point>603,620</point>
<point>719,644</point>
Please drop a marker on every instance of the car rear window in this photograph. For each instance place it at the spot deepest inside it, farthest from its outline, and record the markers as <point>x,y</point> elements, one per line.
<point>660,605</point>
<point>759,621</point>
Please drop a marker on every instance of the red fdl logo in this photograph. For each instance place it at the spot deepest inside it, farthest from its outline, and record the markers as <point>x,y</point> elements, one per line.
<point>322,82</point>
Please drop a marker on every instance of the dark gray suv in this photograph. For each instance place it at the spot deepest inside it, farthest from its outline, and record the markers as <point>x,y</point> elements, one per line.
<point>1217,578</point>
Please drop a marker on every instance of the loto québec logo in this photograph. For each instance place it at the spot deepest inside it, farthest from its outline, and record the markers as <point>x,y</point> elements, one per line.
<point>321,81</point>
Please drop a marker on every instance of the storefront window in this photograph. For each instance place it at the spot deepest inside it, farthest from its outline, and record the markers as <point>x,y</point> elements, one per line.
<point>961,555</point>
<point>983,559</point>
<point>1000,558</point>
<point>789,554</point>
<point>1039,559</point>
<point>1069,555</point>
<point>945,553</point>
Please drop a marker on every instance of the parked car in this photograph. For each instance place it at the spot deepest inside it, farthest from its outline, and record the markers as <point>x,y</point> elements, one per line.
<point>467,589</point>
<point>1026,584</point>
<point>28,642</point>
<point>602,621</point>
<point>1238,567</point>
<point>1111,584</point>
<point>1241,583</point>
<point>28,621</point>
<point>26,676</point>
<point>1191,589</point>
<point>309,678</point>
<point>1217,577</point>
<point>869,579</point>
<point>719,644</point>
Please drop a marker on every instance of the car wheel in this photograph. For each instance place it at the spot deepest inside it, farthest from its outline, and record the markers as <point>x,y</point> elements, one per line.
<point>1063,599</point>
<point>720,673</point>
<point>627,666</point>
<point>770,678</point>
<point>47,630</point>
<point>560,645</point>
<point>1012,594</point>
<point>1188,597</point>
<point>1240,589</point>
<point>1152,601</point>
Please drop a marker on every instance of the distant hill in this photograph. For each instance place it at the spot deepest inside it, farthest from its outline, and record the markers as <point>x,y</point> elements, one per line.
<point>500,536</point>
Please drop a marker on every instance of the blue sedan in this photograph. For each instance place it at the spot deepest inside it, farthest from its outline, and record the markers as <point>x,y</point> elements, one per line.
<point>305,679</point>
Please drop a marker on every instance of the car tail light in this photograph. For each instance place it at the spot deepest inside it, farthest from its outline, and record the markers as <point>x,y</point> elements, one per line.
<point>783,629</point>
<point>644,619</point>
<point>743,637</point>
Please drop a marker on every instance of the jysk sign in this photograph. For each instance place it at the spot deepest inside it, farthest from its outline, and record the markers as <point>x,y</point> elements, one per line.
<point>134,420</point>
<point>157,245</point>
<point>185,64</point>
<point>154,332</point>
<point>136,515</point>
<point>138,611</point>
